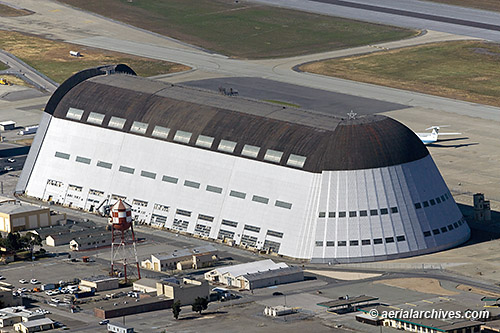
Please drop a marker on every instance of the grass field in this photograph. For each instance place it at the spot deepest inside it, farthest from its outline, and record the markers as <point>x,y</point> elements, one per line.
<point>244,30</point>
<point>7,11</point>
<point>3,66</point>
<point>462,70</point>
<point>480,4</point>
<point>52,58</point>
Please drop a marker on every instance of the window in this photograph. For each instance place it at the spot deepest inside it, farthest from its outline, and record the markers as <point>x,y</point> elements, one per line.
<point>192,184</point>
<point>275,233</point>
<point>342,214</point>
<point>443,229</point>
<point>363,213</point>
<point>400,238</point>
<point>225,234</point>
<point>418,205</point>
<point>169,179</point>
<point>237,194</point>
<point>365,242</point>
<point>443,198</point>
<point>455,225</point>
<point>205,218</point>
<point>377,241</point>
<point>352,213</point>
<point>75,188</point>
<point>104,165</point>
<point>214,189</point>
<point>427,233</point>
<point>204,141</point>
<point>341,243</point>
<point>283,204</point>
<point>425,203</point>
<point>319,243</point>
<point>373,212</point>
<point>116,122</point>
<point>138,127</point>
<point>250,151</point>
<point>230,223</point>
<point>263,200</point>
<point>183,137</point>
<point>62,155</point>
<point>389,239</point>
<point>394,210</point>
<point>117,197</point>
<point>450,227</point>
<point>161,207</point>
<point>83,160</point>
<point>436,232</point>
<point>140,203</point>
<point>148,174</point>
<point>95,118</point>
<point>273,156</point>
<point>446,196</point>
<point>160,132</point>
<point>273,246</point>
<point>251,228</point>
<point>459,222</point>
<point>227,146</point>
<point>322,214</point>
<point>183,212</point>
<point>353,243</point>
<point>296,161</point>
<point>126,169</point>
<point>249,240</point>
<point>330,243</point>
<point>432,202</point>
<point>75,114</point>
<point>384,211</point>
<point>331,214</point>
<point>202,230</point>
<point>96,192</point>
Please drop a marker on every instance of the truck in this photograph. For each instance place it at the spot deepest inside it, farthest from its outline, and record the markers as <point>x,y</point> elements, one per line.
<point>49,286</point>
<point>28,130</point>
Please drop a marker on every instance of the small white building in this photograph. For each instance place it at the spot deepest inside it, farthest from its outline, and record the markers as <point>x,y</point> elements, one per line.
<point>198,257</point>
<point>34,325</point>
<point>119,328</point>
<point>145,285</point>
<point>17,314</point>
<point>255,274</point>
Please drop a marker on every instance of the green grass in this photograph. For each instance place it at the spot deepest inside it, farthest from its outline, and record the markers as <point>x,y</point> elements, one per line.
<point>3,66</point>
<point>244,29</point>
<point>52,58</point>
<point>463,70</point>
<point>282,103</point>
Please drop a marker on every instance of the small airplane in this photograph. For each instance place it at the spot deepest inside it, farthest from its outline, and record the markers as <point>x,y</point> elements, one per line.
<point>428,138</point>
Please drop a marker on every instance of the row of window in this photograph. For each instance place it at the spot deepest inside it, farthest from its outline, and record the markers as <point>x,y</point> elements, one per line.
<point>432,202</point>
<point>203,141</point>
<point>443,230</point>
<point>174,180</point>
<point>376,241</point>
<point>354,213</point>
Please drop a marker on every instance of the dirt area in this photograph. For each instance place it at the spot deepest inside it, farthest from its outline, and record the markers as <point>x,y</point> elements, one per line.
<point>480,4</point>
<point>422,285</point>
<point>344,275</point>
<point>7,11</point>
<point>478,291</point>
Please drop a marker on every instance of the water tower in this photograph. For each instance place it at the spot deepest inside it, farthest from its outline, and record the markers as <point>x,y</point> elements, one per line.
<point>122,238</point>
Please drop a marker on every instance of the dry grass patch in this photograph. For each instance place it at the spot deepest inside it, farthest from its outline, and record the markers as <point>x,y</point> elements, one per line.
<point>480,4</point>
<point>12,79</point>
<point>52,57</point>
<point>7,11</point>
<point>466,70</point>
<point>421,285</point>
<point>478,291</point>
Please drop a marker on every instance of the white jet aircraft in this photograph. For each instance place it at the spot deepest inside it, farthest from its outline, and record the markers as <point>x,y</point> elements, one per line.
<point>428,138</point>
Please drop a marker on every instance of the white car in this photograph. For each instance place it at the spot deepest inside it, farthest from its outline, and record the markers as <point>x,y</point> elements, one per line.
<point>34,281</point>
<point>23,281</point>
<point>11,160</point>
<point>22,290</point>
<point>2,277</point>
<point>55,300</point>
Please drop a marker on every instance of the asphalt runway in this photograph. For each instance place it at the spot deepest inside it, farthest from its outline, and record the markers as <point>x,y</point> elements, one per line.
<point>334,103</point>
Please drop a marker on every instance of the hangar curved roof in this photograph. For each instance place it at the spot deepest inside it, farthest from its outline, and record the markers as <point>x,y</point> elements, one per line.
<point>282,134</point>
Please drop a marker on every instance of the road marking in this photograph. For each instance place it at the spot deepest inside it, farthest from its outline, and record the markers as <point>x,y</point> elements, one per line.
<point>411,304</point>
<point>424,300</point>
<point>54,10</point>
<point>445,298</point>
<point>394,307</point>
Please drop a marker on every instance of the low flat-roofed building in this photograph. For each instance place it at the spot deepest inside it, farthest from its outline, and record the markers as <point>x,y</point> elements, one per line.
<point>34,325</point>
<point>119,328</point>
<point>7,125</point>
<point>114,308</point>
<point>91,241</point>
<point>183,290</point>
<point>255,274</point>
<point>63,238</point>
<point>17,314</point>
<point>145,285</point>
<point>21,216</point>
<point>100,283</point>
<point>200,257</point>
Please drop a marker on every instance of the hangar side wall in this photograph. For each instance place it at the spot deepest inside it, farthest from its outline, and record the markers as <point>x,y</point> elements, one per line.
<point>177,186</point>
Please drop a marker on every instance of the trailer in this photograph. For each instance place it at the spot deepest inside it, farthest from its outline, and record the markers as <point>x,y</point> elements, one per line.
<point>28,130</point>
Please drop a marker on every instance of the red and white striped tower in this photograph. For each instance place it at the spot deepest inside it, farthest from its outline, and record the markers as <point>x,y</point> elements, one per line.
<point>122,237</point>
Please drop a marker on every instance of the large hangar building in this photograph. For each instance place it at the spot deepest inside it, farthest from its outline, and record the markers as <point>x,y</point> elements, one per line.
<point>300,183</point>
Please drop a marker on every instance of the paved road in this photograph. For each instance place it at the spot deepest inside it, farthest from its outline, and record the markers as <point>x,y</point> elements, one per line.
<point>406,13</point>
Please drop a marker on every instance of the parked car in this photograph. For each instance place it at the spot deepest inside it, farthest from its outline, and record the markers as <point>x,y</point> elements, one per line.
<point>23,281</point>
<point>11,160</point>
<point>104,322</point>
<point>34,281</point>
<point>2,277</point>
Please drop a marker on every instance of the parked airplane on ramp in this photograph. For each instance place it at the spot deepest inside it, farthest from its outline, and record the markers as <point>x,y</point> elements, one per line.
<point>428,138</point>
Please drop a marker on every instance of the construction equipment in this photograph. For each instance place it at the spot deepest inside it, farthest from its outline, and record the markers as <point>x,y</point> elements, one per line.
<point>4,82</point>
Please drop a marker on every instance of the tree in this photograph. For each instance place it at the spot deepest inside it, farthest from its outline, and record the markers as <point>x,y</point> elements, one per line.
<point>200,304</point>
<point>13,241</point>
<point>176,309</point>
